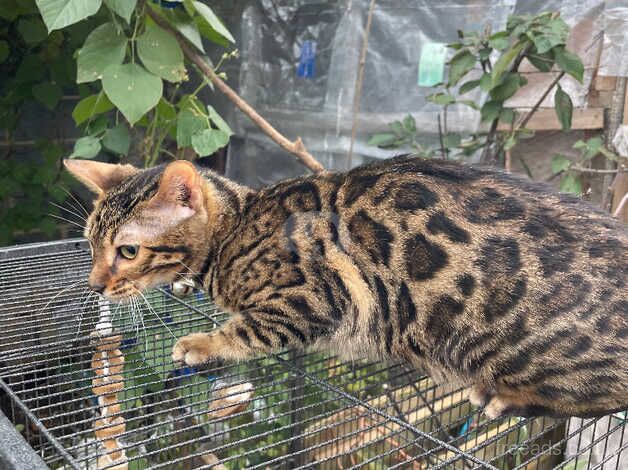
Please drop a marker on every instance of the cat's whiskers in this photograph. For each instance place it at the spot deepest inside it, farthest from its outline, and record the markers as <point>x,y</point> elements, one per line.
<point>82,227</point>
<point>71,286</point>
<point>150,309</point>
<point>71,212</point>
<point>89,295</point>
<point>80,204</point>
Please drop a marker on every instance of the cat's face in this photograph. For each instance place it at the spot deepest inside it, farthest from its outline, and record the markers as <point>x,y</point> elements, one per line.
<point>143,222</point>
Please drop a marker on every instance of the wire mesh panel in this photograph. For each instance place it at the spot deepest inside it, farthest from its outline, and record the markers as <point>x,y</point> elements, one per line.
<point>82,404</point>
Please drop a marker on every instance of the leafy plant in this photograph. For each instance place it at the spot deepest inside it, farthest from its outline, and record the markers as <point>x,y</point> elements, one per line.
<point>569,169</point>
<point>490,62</point>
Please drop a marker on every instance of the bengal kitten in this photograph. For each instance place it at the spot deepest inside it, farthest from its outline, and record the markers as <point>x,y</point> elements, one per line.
<point>474,276</point>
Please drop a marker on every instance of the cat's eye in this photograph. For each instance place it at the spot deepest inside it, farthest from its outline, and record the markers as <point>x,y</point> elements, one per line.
<point>128,251</point>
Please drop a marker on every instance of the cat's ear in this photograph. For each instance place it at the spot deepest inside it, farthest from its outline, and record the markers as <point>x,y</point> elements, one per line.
<point>179,195</point>
<point>97,176</point>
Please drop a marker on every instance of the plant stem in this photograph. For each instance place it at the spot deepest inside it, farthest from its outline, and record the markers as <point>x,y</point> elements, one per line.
<point>296,148</point>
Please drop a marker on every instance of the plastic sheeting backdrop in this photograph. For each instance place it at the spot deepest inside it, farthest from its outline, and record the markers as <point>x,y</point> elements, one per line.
<point>300,64</point>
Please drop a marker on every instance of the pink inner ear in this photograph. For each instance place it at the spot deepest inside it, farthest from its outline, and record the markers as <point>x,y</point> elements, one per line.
<point>179,195</point>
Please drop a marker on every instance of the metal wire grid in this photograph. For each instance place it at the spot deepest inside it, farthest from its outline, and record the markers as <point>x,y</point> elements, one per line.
<point>307,410</point>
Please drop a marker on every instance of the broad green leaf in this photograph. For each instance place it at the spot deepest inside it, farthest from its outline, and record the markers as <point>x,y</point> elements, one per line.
<point>98,126</point>
<point>117,140</point>
<point>490,111</point>
<point>460,64</point>
<point>507,88</point>
<point>397,128</point>
<point>507,115</point>
<point>504,61</point>
<point>210,33</point>
<point>132,89</point>
<point>185,25</point>
<point>499,41</point>
<point>32,30</point>
<point>383,139</point>
<point>161,54</point>
<point>188,124</point>
<point>86,147</point>
<point>207,141</point>
<point>4,51</point>
<point>570,183</point>
<point>208,14</point>
<point>442,99</point>
<point>58,14</point>
<point>123,8</point>
<point>48,93</point>
<point>563,107</point>
<point>569,62</point>
<point>510,142</point>
<point>218,121</point>
<point>31,69</point>
<point>560,163</point>
<point>91,106</point>
<point>104,46</point>
<point>409,124</point>
<point>485,82</point>
<point>543,62</point>
<point>468,86</point>
<point>451,140</point>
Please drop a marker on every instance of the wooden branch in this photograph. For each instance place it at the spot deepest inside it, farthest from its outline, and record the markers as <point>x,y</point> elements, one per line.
<point>296,148</point>
<point>357,96</point>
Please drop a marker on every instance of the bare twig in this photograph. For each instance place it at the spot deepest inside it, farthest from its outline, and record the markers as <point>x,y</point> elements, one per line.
<point>296,148</point>
<point>536,106</point>
<point>357,97</point>
<point>621,205</point>
<point>442,142</point>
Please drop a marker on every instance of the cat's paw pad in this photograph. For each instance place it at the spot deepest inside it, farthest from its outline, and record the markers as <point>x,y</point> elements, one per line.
<point>193,350</point>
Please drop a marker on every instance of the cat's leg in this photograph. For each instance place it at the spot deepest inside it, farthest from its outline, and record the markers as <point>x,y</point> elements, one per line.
<point>480,395</point>
<point>242,337</point>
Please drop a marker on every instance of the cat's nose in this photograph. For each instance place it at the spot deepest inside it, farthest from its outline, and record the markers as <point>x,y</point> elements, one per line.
<point>98,288</point>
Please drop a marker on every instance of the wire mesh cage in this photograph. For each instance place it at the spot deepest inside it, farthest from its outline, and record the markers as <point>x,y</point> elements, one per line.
<point>115,400</point>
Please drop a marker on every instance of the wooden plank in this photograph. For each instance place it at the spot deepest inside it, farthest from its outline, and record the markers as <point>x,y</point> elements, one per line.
<point>545,119</point>
<point>603,83</point>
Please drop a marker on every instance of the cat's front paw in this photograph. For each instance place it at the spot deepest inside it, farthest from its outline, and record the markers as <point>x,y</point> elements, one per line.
<point>194,349</point>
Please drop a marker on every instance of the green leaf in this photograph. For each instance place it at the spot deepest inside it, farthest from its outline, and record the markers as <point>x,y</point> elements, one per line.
<point>569,62</point>
<point>507,88</point>
<point>186,26</point>
<point>543,62</point>
<point>485,82</point>
<point>384,140</point>
<point>409,124</point>
<point>4,51</point>
<point>91,106</point>
<point>507,115</point>
<point>499,41</point>
<point>470,103</point>
<point>451,140</point>
<point>86,147</point>
<point>570,184</point>
<point>117,140</point>
<point>218,121</point>
<point>442,99</point>
<point>505,60</point>
<point>490,111</point>
<point>563,107</point>
<point>124,8</point>
<point>207,141</point>
<point>58,14</point>
<point>47,93</point>
<point>189,123</point>
<point>510,142</point>
<point>560,163</point>
<point>104,46</point>
<point>132,89</point>
<point>32,30</point>
<point>468,86</point>
<point>460,64</point>
<point>397,128</point>
<point>31,69</point>
<point>161,54</point>
<point>208,14</point>
<point>210,33</point>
